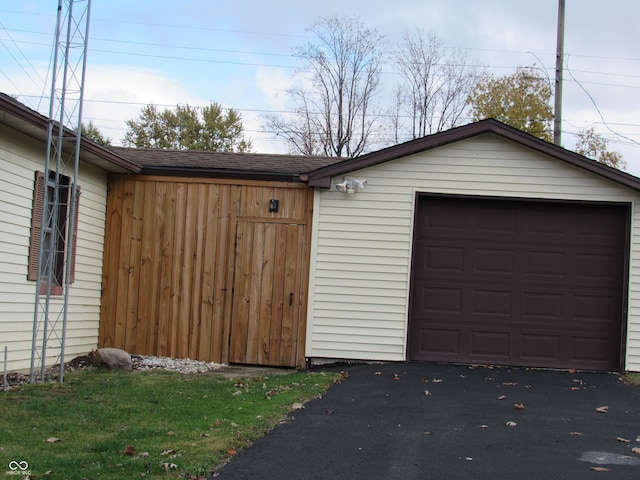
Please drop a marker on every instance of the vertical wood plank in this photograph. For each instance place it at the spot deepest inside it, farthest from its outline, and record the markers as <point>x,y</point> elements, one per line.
<point>222,288</point>
<point>229,262</point>
<point>292,292</point>
<point>305,265</point>
<point>209,293</point>
<point>111,261</point>
<point>255,295</point>
<point>135,247</point>
<point>169,192</point>
<point>275,334</point>
<point>177,277</point>
<point>195,298</point>
<point>241,292</point>
<point>124,265</point>
<point>266,291</point>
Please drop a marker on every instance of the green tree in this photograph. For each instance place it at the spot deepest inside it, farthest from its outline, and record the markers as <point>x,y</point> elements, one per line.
<point>188,128</point>
<point>93,133</point>
<point>593,145</point>
<point>522,100</point>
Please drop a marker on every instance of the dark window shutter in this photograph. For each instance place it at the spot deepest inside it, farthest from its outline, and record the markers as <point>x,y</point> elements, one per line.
<point>36,224</point>
<point>75,235</point>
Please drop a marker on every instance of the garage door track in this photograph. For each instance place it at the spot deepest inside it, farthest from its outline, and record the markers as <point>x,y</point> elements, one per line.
<point>421,420</point>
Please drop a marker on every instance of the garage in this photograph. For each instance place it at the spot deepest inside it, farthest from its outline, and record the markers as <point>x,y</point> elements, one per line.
<point>518,282</point>
<point>476,245</point>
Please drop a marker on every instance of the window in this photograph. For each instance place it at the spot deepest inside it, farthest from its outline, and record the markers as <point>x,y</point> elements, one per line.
<point>55,236</point>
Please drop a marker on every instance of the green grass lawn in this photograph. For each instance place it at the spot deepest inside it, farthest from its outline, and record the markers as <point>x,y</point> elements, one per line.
<point>113,425</point>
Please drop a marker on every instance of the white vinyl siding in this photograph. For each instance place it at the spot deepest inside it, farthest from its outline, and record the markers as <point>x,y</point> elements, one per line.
<point>361,246</point>
<point>20,157</point>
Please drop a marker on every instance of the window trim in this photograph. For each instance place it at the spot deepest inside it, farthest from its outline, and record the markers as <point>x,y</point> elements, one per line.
<point>36,224</point>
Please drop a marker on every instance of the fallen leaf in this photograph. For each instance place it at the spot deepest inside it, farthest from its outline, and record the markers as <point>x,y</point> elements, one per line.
<point>427,393</point>
<point>218,422</point>
<point>636,450</point>
<point>572,370</point>
<point>604,409</point>
<point>576,433</point>
<point>297,406</point>
<point>511,424</point>
<point>502,397</point>
<point>378,373</point>
<point>52,440</point>
<point>48,472</point>
<point>623,440</point>
<point>427,433</point>
<point>168,466</point>
<point>484,426</point>
<point>168,452</point>
<point>510,384</point>
<point>396,377</point>
<point>519,406</point>
<point>437,380</point>
<point>232,451</point>
<point>344,374</point>
<point>468,459</point>
<point>599,469</point>
<point>170,434</point>
<point>328,412</point>
<point>129,450</point>
<point>638,438</point>
<point>143,454</point>
<point>575,388</point>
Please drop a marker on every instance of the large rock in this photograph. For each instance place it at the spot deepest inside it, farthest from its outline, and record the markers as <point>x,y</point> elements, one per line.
<point>112,358</point>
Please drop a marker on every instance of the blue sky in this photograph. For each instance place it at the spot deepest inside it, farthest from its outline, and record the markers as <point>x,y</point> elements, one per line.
<point>238,53</point>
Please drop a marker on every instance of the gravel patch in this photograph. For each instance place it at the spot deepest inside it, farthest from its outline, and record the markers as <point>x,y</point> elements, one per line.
<point>139,362</point>
<point>181,365</point>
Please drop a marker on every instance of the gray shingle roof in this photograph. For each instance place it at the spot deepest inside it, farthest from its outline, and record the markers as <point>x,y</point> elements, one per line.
<point>203,163</point>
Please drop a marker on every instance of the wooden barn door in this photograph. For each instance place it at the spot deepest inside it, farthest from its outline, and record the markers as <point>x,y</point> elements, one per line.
<point>265,317</point>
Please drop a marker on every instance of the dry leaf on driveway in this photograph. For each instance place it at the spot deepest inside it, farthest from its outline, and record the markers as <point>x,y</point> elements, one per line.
<point>604,409</point>
<point>519,406</point>
<point>511,424</point>
<point>623,440</point>
<point>636,450</point>
<point>599,469</point>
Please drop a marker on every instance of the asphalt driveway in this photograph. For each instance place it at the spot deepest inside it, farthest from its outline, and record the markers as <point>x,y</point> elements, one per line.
<point>432,421</point>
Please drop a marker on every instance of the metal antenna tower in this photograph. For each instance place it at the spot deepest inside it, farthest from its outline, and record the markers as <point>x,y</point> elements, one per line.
<point>60,189</point>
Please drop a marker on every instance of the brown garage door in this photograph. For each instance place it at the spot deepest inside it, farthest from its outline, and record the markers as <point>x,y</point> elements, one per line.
<point>518,283</point>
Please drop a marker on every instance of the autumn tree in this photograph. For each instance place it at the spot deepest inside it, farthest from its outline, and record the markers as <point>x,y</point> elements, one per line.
<point>92,132</point>
<point>333,101</point>
<point>593,145</point>
<point>436,83</point>
<point>522,100</point>
<point>188,128</point>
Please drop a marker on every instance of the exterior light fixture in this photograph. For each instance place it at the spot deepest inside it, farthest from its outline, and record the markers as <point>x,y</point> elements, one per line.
<point>351,185</point>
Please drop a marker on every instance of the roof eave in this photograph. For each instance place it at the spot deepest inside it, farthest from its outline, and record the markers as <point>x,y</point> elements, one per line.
<point>321,177</point>
<point>31,123</point>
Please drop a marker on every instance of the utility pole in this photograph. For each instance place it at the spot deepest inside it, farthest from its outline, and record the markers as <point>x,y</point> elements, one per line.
<point>557,112</point>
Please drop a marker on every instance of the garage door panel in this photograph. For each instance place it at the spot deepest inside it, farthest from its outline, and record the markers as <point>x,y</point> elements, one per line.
<point>495,260</point>
<point>518,283</point>
<point>545,263</point>
<point>492,302</point>
<point>447,258</point>
<point>489,345</point>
